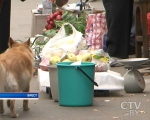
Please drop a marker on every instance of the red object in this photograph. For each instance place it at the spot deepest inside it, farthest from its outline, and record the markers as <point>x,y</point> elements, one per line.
<point>52,0</point>
<point>58,17</point>
<point>56,14</point>
<point>50,26</point>
<point>148,23</point>
<point>48,19</point>
<point>51,16</point>
<point>51,22</point>
<point>46,26</point>
<point>44,68</point>
<point>60,12</point>
<point>95,29</point>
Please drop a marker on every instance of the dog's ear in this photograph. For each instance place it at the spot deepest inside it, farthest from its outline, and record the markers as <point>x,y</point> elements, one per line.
<point>11,42</point>
<point>28,42</point>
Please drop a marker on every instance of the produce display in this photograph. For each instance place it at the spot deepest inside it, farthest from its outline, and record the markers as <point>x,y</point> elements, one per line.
<point>58,18</point>
<point>71,57</point>
<point>54,60</point>
<point>52,18</point>
<point>99,57</point>
<point>54,23</point>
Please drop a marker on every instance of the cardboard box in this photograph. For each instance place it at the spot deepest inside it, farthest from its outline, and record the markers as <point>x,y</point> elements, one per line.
<point>38,23</point>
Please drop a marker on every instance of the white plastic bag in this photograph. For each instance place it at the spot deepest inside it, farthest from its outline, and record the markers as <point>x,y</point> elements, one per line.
<point>64,42</point>
<point>101,59</point>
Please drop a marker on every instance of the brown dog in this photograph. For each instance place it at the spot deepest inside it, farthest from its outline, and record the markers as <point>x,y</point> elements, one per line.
<point>16,70</point>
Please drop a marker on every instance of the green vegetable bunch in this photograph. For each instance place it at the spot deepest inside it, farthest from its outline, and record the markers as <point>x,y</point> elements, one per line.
<point>69,17</point>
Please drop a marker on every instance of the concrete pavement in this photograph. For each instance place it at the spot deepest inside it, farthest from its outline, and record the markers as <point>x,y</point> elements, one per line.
<point>104,108</point>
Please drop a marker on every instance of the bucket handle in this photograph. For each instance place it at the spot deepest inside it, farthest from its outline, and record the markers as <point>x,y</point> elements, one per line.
<point>87,76</point>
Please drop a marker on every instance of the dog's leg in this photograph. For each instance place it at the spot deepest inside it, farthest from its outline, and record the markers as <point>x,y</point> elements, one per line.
<point>12,109</point>
<point>1,107</point>
<point>25,102</point>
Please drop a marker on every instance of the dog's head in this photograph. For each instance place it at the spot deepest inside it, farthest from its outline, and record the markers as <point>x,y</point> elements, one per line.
<point>23,46</point>
<point>13,43</point>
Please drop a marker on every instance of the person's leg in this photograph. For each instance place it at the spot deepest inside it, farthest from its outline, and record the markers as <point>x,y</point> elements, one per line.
<point>132,37</point>
<point>119,19</point>
<point>5,25</point>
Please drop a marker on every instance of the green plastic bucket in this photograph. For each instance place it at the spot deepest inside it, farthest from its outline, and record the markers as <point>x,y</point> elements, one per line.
<point>74,87</point>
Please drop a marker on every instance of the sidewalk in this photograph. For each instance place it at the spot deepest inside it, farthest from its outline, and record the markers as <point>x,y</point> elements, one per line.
<point>118,106</point>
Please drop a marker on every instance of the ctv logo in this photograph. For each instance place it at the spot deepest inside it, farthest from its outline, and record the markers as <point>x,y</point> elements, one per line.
<point>131,107</point>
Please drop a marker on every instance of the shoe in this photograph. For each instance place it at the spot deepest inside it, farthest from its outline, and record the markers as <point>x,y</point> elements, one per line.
<point>114,62</point>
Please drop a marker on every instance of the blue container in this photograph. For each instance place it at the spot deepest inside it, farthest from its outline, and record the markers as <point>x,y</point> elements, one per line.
<point>75,88</point>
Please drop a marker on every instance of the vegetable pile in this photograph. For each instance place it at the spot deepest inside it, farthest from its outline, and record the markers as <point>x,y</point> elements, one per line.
<point>58,18</point>
<point>51,19</point>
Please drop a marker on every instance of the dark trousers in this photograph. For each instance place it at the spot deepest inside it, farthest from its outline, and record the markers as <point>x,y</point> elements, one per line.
<point>5,25</point>
<point>119,20</point>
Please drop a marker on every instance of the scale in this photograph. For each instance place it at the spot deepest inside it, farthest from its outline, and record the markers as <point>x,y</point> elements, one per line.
<point>133,80</point>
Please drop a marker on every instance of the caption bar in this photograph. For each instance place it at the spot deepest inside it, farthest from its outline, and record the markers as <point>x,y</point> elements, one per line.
<point>21,95</point>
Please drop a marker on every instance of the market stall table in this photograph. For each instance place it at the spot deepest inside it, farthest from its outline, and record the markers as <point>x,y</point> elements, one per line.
<point>109,80</point>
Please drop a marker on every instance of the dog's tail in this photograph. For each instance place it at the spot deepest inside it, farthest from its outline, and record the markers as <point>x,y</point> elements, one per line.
<point>8,103</point>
